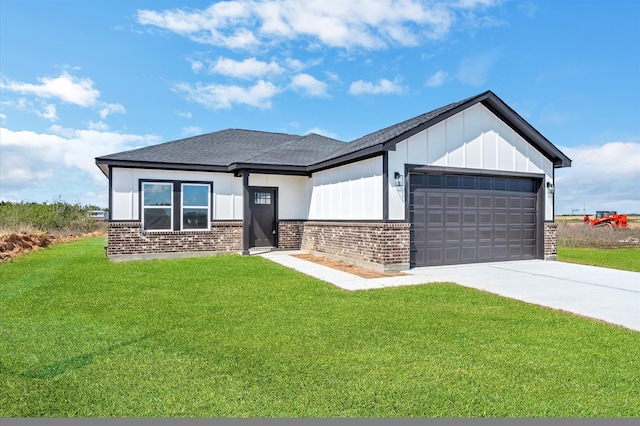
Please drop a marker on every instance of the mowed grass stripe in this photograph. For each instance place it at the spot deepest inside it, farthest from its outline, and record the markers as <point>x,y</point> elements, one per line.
<point>233,336</point>
<point>625,258</point>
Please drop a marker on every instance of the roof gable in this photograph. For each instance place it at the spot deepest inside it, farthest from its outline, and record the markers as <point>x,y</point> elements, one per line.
<point>387,138</point>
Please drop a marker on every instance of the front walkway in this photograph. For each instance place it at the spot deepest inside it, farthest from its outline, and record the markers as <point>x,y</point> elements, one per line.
<point>606,294</point>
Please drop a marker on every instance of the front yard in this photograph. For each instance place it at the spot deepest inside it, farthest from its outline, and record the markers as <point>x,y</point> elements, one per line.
<point>234,336</point>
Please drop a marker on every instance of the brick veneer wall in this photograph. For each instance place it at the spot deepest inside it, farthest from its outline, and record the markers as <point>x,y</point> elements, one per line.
<point>550,240</point>
<point>127,239</point>
<point>290,234</point>
<point>383,246</point>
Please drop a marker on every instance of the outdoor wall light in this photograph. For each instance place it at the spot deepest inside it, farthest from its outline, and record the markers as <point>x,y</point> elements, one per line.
<point>551,188</point>
<point>398,179</point>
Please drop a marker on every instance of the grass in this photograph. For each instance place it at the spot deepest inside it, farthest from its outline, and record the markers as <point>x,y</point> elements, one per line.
<point>234,336</point>
<point>627,259</point>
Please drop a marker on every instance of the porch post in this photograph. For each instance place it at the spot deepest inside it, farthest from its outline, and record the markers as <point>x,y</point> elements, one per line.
<point>246,215</point>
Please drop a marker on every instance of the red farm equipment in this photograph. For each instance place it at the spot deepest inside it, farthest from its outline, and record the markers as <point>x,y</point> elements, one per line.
<point>611,219</point>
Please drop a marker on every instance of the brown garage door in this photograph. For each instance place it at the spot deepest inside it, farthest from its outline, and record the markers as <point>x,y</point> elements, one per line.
<point>469,219</point>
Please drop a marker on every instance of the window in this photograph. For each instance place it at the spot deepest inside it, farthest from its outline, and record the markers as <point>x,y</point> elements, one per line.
<point>157,206</point>
<point>169,206</point>
<point>195,206</point>
<point>262,198</point>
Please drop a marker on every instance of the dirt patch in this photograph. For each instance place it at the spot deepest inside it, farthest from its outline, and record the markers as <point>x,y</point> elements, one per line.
<point>346,267</point>
<point>12,245</point>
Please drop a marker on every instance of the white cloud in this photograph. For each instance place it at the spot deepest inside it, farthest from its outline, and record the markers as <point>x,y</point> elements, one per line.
<point>99,126</point>
<point>70,89</point>
<point>600,178</point>
<point>191,130</point>
<point>248,68</point>
<point>196,66</point>
<point>110,109</point>
<point>49,112</point>
<point>309,85</point>
<point>184,114</point>
<point>323,132</point>
<point>370,24</point>
<point>437,79</point>
<point>39,166</point>
<point>217,96</point>
<point>383,86</point>
<point>474,70</point>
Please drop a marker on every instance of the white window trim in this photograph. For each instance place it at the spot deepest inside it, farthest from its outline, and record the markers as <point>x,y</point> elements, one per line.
<point>183,206</point>
<point>170,207</point>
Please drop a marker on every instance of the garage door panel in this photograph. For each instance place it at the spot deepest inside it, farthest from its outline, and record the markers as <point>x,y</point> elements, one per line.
<point>500,234</point>
<point>515,251</point>
<point>452,255</point>
<point>515,218</point>
<point>434,256</point>
<point>469,235</point>
<point>453,201</point>
<point>485,218</point>
<point>467,219</point>
<point>529,251</point>
<point>485,253</point>
<point>485,201</point>
<point>452,236</point>
<point>435,200</point>
<point>469,254</point>
<point>435,218</point>
<point>435,236</point>
<point>515,202</point>
<point>470,201</point>
<point>529,203</point>
<point>485,235</point>
<point>529,219</point>
<point>453,218</point>
<point>500,218</point>
<point>529,234</point>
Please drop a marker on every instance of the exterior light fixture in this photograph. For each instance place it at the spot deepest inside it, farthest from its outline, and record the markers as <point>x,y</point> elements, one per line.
<point>398,179</point>
<point>551,188</point>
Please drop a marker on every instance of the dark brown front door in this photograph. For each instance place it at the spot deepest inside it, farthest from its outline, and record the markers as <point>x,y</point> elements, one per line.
<point>262,202</point>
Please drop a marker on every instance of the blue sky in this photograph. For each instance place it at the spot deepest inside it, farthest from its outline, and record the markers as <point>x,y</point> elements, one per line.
<point>80,79</point>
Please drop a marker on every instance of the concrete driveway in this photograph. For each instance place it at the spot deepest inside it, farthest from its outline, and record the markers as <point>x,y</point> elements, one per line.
<point>606,294</point>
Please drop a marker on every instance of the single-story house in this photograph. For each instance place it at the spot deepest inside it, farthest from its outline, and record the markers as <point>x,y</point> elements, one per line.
<point>469,182</point>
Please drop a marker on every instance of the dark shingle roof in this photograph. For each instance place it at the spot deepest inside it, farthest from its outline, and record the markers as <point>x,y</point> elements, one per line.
<point>232,149</point>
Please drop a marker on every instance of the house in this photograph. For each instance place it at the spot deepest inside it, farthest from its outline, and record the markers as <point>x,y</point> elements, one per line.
<point>469,182</point>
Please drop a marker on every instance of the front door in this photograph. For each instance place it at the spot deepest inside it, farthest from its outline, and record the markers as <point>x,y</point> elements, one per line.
<point>262,202</point>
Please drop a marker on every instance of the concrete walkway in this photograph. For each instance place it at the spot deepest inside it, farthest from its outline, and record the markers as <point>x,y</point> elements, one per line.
<point>606,294</point>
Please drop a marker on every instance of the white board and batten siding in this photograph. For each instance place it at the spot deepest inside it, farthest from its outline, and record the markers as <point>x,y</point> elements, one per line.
<point>293,195</point>
<point>227,191</point>
<point>349,192</point>
<point>474,138</point>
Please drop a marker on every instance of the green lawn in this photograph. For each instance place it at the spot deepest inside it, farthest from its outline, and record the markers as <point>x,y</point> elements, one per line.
<point>234,336</point>
<point>627,258</point>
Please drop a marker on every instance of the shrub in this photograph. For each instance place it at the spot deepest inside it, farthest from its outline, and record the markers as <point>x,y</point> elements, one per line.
<point>578,236</point>
<point>57,216</point>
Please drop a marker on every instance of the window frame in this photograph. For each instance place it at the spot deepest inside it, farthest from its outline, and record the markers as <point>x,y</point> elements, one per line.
<point>144,207</point>
<point>177,208</point>
<point>183,206</point>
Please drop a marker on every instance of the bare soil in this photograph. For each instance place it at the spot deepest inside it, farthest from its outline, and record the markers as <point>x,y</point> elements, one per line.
<point>14,244</point>
<point>346,267</point>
